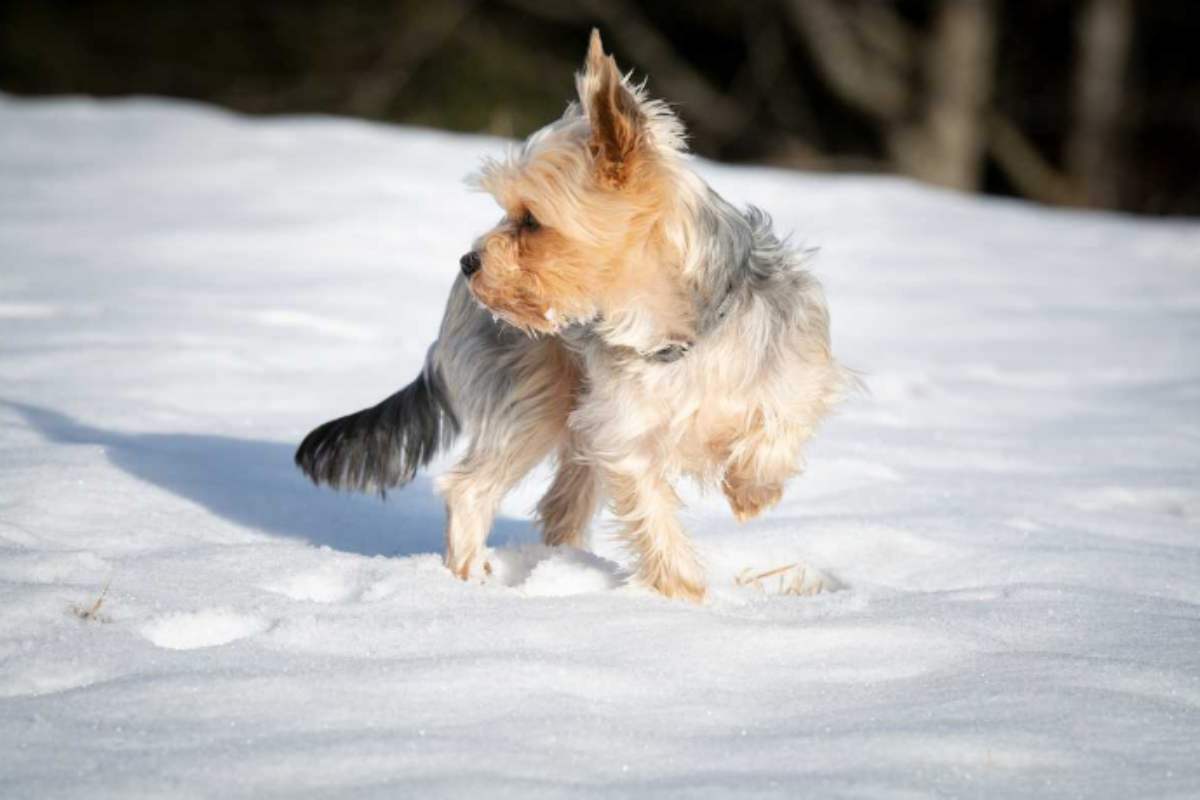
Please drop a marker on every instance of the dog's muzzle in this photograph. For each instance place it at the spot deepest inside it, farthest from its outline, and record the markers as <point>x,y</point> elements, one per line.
<point>470,263</point>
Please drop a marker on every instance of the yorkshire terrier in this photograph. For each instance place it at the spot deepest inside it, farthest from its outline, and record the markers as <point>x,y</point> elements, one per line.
<point>622,317</point>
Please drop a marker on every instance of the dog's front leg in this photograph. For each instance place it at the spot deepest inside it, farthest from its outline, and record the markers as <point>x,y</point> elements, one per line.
<point>758,464</point>
<point>647,506</point>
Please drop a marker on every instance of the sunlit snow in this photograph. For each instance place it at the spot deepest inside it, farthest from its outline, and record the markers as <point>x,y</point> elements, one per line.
<point>1006,532</point>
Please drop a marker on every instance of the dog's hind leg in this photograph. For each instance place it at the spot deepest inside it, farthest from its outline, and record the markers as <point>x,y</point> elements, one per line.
<point>474,488</point>
<point>570,503</point>
<point>528,424</point>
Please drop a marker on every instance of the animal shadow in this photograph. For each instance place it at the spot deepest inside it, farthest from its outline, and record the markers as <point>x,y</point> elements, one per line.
<point>255,484</point>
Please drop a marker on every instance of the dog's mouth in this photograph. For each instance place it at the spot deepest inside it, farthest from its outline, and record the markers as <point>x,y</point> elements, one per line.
<point>516,308</point>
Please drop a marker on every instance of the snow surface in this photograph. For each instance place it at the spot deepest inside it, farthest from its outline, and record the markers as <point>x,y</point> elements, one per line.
<point>1007,530</point>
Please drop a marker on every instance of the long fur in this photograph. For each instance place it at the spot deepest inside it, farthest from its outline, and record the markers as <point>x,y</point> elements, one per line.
<point>382,447</point>
<point>642,330</point>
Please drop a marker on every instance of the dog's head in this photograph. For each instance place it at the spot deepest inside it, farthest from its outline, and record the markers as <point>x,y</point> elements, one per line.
<point>590,207</point>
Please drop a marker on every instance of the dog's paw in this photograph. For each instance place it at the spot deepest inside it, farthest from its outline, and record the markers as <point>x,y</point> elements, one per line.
<point>463,565</point>
<point>680,579</point>
<point>677,587</point>
<point>748,501</point>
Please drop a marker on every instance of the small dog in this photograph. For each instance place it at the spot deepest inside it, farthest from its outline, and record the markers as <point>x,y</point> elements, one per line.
<point>626,319</point>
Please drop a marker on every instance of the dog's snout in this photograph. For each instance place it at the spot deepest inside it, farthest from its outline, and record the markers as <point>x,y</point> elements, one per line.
<point>470,263</point>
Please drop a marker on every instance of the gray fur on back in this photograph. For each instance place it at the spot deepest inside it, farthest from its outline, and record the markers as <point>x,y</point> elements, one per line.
<point>473,368</point>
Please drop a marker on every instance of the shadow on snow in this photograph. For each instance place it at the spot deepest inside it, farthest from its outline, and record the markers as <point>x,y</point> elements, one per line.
<point>255,484</point>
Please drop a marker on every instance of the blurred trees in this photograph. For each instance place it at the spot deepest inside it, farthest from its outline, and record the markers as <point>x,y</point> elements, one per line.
<point>1080,102</point>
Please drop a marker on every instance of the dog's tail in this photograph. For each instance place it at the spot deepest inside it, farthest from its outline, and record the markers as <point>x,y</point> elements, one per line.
<point>382,447</point>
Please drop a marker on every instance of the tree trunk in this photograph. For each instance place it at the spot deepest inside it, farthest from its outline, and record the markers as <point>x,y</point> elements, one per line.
<point>1102,37</point>
<point>947,146</point>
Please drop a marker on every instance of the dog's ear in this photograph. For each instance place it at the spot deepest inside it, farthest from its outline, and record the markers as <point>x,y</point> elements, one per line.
<point>613,112</point>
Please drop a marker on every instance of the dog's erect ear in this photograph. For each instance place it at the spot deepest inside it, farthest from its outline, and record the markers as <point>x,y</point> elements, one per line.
<point>612,110</point>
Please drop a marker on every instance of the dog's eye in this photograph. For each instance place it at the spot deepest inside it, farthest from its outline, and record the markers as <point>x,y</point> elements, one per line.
<point>529,222</point>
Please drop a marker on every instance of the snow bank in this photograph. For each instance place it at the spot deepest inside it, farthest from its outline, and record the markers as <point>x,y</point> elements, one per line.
<point>1007,532</point>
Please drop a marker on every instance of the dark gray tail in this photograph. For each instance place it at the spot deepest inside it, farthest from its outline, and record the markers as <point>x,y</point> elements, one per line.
<point>382,447</point>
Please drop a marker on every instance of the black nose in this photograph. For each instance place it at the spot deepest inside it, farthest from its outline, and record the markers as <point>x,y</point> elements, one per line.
<point>470,263</point>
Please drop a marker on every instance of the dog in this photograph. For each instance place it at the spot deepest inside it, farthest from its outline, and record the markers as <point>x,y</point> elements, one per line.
<point>621,317</point>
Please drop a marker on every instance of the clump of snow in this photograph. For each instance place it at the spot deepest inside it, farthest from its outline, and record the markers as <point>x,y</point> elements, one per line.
<point>206,628</point>
<point>995,556</point>
<point>540,571</point>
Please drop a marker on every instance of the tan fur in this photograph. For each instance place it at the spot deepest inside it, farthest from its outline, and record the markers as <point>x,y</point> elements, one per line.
<point>614,117</point>
<point>613,272</point>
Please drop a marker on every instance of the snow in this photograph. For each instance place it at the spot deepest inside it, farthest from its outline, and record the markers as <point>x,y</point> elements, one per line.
<point>1005,534</point>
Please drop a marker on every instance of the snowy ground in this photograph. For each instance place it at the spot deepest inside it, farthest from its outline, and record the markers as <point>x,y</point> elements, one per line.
<point>1014,514</point>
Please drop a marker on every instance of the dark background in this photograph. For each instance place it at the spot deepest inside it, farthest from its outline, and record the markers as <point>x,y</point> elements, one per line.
<point>1070,102</point>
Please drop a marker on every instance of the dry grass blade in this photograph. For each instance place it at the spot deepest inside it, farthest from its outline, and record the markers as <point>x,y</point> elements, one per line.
<point>801,582</point>
<point>93,611</point>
